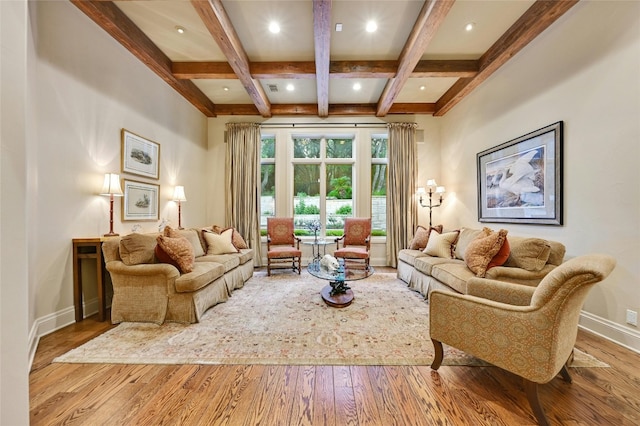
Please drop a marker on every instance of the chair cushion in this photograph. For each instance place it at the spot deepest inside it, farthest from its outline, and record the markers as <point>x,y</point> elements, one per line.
<point>283,252</point>
<point>352,253</point>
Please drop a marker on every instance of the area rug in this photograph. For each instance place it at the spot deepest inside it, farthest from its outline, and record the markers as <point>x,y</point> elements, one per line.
<point>282,319</point>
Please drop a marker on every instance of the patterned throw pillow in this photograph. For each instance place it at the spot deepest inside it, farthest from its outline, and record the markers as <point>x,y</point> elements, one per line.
<point>180,250</point>
<point>441,245</point>
<point>190,234</point>
<point>220,243</point>
<point>421,237</point>
<point>483,249</point>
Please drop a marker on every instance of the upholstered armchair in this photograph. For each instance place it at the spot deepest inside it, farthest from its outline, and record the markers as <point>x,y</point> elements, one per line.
<point>529,331</point>
<point>356,240</point>
<point>283,247</point>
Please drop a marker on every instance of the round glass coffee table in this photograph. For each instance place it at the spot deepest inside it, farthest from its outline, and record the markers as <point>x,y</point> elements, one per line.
<point>338,294</point>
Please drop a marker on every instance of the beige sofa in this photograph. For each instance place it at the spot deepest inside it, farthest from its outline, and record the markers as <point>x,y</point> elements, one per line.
<point>530,260</point>
<point>147,290</point>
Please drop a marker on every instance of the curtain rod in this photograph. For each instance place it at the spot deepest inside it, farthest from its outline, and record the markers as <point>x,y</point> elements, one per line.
<point>294,125</point>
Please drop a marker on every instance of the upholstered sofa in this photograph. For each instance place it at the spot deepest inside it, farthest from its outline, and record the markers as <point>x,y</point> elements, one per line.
<point>526,260</point>
<point>150,285</point>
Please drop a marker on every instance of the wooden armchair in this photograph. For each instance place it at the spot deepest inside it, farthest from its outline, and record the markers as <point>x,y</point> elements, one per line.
<point>356,241</point>
<point>529,331</point>
<point>283,247</point>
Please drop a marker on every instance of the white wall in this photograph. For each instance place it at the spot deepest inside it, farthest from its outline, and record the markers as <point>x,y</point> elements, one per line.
<point>15,51</point>
<point>87,88</point>
<point>584,70</point>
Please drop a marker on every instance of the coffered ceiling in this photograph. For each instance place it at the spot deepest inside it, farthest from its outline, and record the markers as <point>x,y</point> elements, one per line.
<point>420,60</point>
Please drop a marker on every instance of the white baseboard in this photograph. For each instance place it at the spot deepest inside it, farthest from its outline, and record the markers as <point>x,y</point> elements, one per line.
<point>52,322</point>
<point>621,335</point>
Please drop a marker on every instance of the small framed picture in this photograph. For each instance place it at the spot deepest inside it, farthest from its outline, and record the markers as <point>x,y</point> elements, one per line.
<point>520,181</point>
<point>141,201</point>
<point>140,156</point>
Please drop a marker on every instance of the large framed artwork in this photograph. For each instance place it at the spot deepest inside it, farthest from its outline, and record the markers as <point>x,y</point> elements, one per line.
<point>141,201</point>
<point>140,156</point>
<point>520,181</point>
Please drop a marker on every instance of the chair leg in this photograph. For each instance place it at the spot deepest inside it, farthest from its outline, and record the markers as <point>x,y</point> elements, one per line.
<point>268,267</point>
<point>565,374</point>
<point>531,388</point>
<point>438,355</point>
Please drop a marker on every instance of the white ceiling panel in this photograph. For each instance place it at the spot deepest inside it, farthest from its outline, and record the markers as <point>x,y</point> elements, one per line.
<point>427,90</point>
<point>214,89</point>
<point>304,91</point>
<point>341,90</point>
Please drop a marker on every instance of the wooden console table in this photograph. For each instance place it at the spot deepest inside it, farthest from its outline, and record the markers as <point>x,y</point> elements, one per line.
<point>88,248</point>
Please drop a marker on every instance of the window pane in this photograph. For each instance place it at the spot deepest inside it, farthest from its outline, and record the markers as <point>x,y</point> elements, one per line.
<point>379,199</point>
<point>306,201</point>
<point>268,147</point>
<point>339,148</point>
<point>306,148</point>
<point>267,193</point>
<point>378,147</point>
<point>339,197</point>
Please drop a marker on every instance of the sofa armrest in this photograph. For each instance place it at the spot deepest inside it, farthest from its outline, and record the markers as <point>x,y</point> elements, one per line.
<point>518,275</point>
<point>146,269</point>
<point>500,291</point>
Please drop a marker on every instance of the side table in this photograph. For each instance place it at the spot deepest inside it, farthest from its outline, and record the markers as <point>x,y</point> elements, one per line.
<point>88,248</point>
<point>315,248</point>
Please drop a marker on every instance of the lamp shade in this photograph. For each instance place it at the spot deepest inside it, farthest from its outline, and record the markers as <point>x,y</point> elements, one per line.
<point>431,183</point>
<point>178,193</point>
<point>111,185</point>
<point>421,191</point>
<point>440,190</point>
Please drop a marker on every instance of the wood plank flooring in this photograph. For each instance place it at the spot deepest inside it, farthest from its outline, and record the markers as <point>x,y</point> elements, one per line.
<point>101,394</point>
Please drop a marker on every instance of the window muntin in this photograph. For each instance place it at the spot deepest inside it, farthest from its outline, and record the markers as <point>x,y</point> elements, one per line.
<point>267,180</point>
<point>379,185</point>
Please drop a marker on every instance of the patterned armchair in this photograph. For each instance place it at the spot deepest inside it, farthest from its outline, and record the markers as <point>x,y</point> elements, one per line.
<point>529,331</point>
<point>355,240</point>
<point>283,247</point>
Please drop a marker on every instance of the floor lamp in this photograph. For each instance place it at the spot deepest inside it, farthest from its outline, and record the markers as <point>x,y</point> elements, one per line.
<point>111,187</point>
<point>433,189</point>
<point>179,197</point>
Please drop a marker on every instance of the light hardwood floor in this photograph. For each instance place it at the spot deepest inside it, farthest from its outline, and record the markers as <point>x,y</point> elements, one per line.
<point>101,394</point>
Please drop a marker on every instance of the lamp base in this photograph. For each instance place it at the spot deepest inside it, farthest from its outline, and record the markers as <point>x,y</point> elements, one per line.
<point>111,234</point>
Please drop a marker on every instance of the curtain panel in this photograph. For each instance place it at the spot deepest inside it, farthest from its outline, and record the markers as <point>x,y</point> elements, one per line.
<point>402,211</point>
<point>242,205</point>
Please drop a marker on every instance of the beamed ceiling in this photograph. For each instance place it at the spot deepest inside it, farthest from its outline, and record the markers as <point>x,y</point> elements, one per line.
<point>421,60</point>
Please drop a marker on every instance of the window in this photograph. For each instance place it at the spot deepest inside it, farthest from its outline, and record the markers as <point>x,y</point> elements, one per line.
<point>267,180</point>
<point>322,183</point>
<point>379,185</point>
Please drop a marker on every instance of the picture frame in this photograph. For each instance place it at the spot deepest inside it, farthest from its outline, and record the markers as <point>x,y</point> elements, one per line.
<point>141,201</point>
<point>140,156</point>
<point>520,181</point>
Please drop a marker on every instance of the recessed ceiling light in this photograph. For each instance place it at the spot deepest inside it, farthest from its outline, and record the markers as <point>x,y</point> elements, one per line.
<point>225,88</point>
<point>274,27</point>
<point>357,86</point>
<point>290,87</point>
<point>180,29</point>
<point>338,27</point>
<point>422,87</point>
<point>371,26</point>
<point>470,26</point>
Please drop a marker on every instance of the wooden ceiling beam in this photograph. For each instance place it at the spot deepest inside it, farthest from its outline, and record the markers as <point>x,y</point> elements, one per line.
<point>322,43</point>
<point>530,25</point>
<point>431,15</point>
<point>337,69</point>
<point>334,109</point>
<point>217,21</point>
<point>111,19</point>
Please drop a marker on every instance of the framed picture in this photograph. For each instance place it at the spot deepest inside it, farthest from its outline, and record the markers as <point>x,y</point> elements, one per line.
<point>140,156</point>
<point>520,181</point>
<point>141,201</point>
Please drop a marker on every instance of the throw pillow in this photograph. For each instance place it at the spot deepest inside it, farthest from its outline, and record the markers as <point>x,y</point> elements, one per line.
<point>237,239</point>
<point>481,250</point>
<point>441,245</point>
<point>421,237</point>
<point>466,236</point>
<point>220,243</point>
<point>529,253</point>
<point>190,234</point>
<point>136,249</point>
<point>163,257</point>
<point>180,250</point>
<point>502,256</point>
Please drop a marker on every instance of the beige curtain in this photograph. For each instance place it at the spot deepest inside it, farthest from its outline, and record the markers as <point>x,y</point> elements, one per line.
<point>402,211</point>
<point>242,171</point>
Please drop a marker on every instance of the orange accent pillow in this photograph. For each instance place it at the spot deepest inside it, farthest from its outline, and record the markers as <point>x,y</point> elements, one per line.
<point>501,257</point>
<point>180,250</point>
<point>163,257</point>
<point>481,250</point>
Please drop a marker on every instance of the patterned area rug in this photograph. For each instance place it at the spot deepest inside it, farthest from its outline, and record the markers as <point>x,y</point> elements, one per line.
<point>282,319</point>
